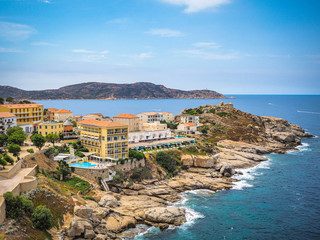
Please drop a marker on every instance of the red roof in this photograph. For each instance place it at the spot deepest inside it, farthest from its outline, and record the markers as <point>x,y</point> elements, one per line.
<point>97,123</point>
<point>126,115</point>
<point>190,124</point>
<point>63,111</point>
<point>6,115</point>
<point>31,105</point>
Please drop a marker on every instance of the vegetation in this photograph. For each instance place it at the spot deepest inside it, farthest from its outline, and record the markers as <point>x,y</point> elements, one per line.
<point>63,170</point>
<point>205,129</point>
<point>78,183</point>
<point>30,150</point>
<point>17,206</point>
<point>78,149</point>
<point>8,159</point>
<point>42,218</point>
<point>171,125</point>
<point>3,162</point>
<point>53,138</point>
<point>38,140</point>
<point>56,150</point>
<point>16,135</point>
<point>3,140</point>
<point>135,154</point>
<point>167,162</point>
<point>89,198</point>
<point>140,173</point>
<point>119,177</point>
<point>222,114</point>
<point>9,99</point>
<point>1,100</point>
<point>14,149</point>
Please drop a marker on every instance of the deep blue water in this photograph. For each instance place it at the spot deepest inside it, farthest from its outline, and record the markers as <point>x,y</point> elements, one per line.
<point>279,199</point>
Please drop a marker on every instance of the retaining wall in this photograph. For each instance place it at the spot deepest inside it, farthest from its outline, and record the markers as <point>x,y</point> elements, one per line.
<point>8,173</point>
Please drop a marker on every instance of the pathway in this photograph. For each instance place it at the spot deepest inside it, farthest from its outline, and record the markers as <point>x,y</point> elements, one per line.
<point>6,185</point>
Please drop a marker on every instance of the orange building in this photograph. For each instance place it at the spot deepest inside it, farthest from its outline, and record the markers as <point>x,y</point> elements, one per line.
<point>128,119</point>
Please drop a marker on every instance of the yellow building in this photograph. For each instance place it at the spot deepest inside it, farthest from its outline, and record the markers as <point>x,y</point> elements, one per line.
<point>50,127</point>
<point>128,119</point>
<point>106,139</point>
<point>62,115</point>
<point>28,115</point>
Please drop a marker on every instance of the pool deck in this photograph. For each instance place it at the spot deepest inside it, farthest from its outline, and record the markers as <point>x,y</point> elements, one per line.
<point>154,143</point>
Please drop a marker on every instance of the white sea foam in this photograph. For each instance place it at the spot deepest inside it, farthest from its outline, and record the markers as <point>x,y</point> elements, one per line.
<point>191,216</point>
<point>248,174</point>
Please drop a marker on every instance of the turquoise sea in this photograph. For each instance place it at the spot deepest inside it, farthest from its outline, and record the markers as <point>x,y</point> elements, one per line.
<point>278,199</point>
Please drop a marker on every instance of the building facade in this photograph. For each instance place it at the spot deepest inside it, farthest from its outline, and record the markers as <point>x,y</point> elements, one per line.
<point>28,115</point>
<point>147,136</point>
<point>50,114</point>
<point>46,128</point>
<point>156,116</point>
<point>62,115</point>
<point>132,121</point>
<point>7,120</point>
<point>155,126</point>
<point>190,119</point>
<point>106,139</point>
<point>187,127</point>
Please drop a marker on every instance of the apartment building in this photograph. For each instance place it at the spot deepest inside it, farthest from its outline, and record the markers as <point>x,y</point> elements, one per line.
<point>28,115</point>
<point>187,127</point>
<point>106,139</point>
<point>7,120</point>
<point>147,136</point>
<point>132,121</point>
<point>154,126</point>
<point>50,114</point>
<point>62,115</point>
<point>190,119</point>
<point>46,128</point>
<point>156,116</point>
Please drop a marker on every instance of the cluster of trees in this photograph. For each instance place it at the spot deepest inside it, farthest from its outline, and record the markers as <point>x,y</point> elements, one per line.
<point>5,159</point>
<point>20,206</point>
<point>8,99</point>
<point>168,163</point>
<point>135,154</point>
<point>39,141</point>
<point>170,125</point>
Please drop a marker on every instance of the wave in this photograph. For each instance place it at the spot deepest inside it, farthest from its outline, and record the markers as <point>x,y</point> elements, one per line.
<point>308,112</point>
<point>248,174</point>
<point>302,148</point>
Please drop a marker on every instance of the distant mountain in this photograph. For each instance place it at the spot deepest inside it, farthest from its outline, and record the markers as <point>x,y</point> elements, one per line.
<point>96,90</point>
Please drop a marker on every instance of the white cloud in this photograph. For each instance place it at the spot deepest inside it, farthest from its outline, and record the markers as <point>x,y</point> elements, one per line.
<point>207,55</point>
<point>193,6</point>
<point>164,32</point>
<point>118,20</point>
<point>45,1</point>
<point>206,45</point>
<point>145,55</point>
<point>9,50</point>
<point>15,32</point>
<point>89,55</point>
<point>45,44</point>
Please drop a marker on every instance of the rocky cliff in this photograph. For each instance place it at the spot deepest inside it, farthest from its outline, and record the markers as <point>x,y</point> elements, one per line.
<point>96,90</point>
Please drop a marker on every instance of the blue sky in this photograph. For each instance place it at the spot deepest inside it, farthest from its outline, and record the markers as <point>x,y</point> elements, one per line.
<point>231,46</point>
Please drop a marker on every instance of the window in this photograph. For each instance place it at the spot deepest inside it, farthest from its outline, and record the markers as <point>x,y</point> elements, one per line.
<point>109,139</point>
<point>103,138</point>
<point>115,138</point>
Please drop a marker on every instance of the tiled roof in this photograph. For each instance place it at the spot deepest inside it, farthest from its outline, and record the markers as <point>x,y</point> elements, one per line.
<point>6,115</point>
<point>154,113</point>
<point>63,111</point>
<point>52,109</point>
<point>98,123</point>
<point>32,105</point>
<point>189,124</point>
<point>126,115</point>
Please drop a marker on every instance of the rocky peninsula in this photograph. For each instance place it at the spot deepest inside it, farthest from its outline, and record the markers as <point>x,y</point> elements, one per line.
<point>230,140</point>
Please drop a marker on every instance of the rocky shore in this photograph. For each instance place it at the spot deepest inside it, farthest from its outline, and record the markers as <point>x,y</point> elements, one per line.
<point>150,202</point>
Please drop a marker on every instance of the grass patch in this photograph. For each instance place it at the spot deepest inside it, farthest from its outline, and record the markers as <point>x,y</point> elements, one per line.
<point>78,184</point>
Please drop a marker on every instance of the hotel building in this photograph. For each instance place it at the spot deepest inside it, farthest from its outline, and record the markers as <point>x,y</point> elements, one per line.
<point>106,139</point>
<point>46,128</point>
<point>156,116</point>
<point>128,119</point>
<point>28,115</point>
<point>7,120</point>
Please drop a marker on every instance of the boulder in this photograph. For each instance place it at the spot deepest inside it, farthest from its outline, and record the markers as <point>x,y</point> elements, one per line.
<point>100,213</point>
<point>226,170</point>
<point>117,223</point>
<point>108,201</point>
<point>198,161</point>
<point>78,227</point>
<point>167,215</point>
<point>89,234</point>
<point>100,237</point>
<point>83,211</point>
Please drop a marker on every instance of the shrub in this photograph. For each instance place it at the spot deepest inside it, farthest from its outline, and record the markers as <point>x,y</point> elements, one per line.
<point>89,198</point>
<point>8,159</point>
<point>3,162</point>
<point>32,158</point>
<point>184,167</point>
<point>167,162</point>
<point>42,218</point>
<point>30,150</point>
<point>136,154</point>
<point>141,173</point>
<point>16,206</point>
<point>212,110</point>
<point>222,114</point>
<point>119,177</point>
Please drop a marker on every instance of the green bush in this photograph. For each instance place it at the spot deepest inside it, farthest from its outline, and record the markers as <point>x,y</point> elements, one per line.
<point>8,159</point>
<point>42,218</point>
<point>78,183</point>
<point>89,198</point>
<point>16,206</point>
<point>222,114</point>
<point>184,167</point>
<point>140,173</point>
<point>167,162</point>
<point>119,177</point>
<point>30,150</point>
<point>136,154</point>
<point>212,110</point>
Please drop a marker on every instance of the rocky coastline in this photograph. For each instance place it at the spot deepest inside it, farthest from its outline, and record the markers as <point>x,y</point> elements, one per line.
<point>150,202</point>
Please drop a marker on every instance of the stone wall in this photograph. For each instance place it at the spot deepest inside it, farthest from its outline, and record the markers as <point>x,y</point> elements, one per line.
<point>94,173</point>
<point>8,173</point>
<point>2,210</point>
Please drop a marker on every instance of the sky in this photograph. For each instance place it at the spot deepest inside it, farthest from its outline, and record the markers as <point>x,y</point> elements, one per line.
<point>230,46</point>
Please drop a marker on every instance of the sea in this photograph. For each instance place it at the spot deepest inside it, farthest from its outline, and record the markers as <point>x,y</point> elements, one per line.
<point>278,199</point>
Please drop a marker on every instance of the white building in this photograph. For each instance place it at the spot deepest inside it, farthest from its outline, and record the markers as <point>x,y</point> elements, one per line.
<point>187,127</point>
<point>190,119</point>
<point>146,136</point>
<point>154,126</point>
<point>156,116</point>
<point>7,120</point>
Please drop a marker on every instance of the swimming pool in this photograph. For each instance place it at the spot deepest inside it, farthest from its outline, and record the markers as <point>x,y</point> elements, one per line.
<point>83,165</point>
